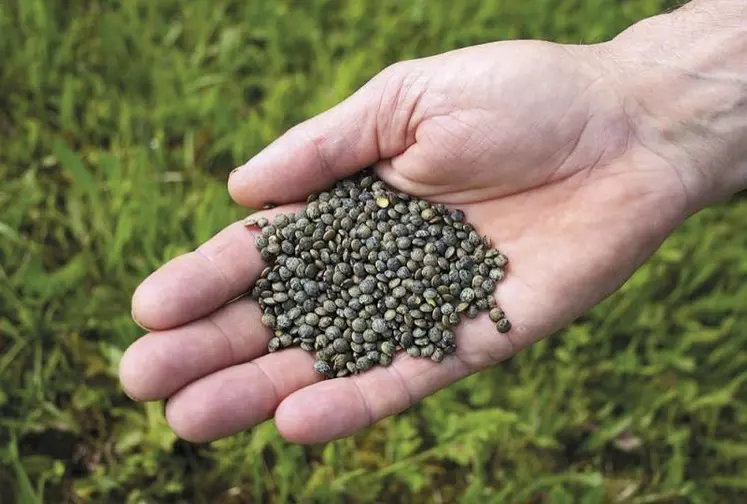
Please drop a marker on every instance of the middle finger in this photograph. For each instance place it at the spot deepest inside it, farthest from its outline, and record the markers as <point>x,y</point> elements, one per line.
<point>161,362</point>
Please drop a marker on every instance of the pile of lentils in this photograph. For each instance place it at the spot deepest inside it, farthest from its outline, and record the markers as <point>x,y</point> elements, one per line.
<point>364,271</point>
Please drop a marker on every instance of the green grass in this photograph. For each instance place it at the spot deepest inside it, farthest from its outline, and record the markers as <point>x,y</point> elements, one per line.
<point>119,122</point>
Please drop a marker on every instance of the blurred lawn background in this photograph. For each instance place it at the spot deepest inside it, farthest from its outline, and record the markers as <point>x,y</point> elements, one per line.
<point>119,122</point>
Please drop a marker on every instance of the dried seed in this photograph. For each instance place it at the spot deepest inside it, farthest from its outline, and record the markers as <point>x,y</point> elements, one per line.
<point>273,345</point>
<point>496,314</point>
<point>363,271</point>
<point>323,367</point>
<point>268,320</point>
<point>382,201</point>
<point>438,355</point>
<point>503,325</point>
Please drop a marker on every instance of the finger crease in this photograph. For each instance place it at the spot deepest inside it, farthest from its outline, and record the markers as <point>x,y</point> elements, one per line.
<point>496,356</point>
<point>464,368</point>
<point>325,167</point>
<point>403,385</point>
<point>273,385</point>
<point>224,277</point>
<point>232,357</point>
<point>366,404</point>
<point>511,343</point>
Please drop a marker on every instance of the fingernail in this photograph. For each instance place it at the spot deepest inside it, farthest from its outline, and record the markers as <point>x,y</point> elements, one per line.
<point>137,322</point>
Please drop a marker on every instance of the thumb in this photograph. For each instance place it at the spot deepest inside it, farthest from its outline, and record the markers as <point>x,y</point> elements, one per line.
<point>314,154</point>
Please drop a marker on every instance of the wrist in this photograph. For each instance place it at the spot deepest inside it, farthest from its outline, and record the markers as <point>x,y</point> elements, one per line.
<point>683,82</point>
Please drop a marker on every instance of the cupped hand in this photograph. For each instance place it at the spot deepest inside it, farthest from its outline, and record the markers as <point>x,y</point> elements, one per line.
<point>533,140</point>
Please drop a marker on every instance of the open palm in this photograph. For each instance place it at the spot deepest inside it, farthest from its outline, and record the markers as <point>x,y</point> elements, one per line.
<point>530,139</point>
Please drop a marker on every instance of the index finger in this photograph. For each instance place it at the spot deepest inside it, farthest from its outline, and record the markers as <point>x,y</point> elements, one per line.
<point>197,283</point>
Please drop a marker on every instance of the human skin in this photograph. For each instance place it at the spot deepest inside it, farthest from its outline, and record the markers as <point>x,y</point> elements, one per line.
<point>578,162</point>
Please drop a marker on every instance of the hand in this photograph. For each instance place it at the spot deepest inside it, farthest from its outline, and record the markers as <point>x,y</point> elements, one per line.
<point>531,139</point>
